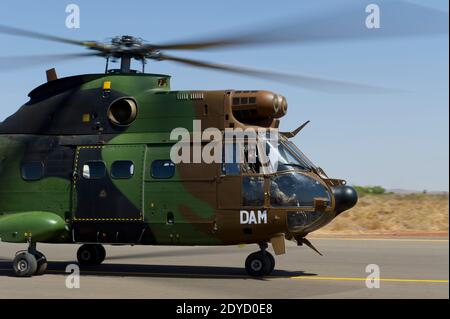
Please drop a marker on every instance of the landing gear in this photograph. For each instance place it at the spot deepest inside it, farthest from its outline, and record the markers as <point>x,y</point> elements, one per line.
<point>91,254</point>
<point>29,263</point>
<point>260,263</point>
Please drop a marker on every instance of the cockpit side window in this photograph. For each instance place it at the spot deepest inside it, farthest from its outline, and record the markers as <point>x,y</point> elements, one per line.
<point>294,149</point>
<point>253,191</point>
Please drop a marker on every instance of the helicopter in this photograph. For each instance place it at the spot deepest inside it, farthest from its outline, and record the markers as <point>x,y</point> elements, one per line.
<point>87,160</point>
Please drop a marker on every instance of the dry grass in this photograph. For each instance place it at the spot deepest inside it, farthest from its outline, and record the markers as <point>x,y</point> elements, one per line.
<point>394,213</point>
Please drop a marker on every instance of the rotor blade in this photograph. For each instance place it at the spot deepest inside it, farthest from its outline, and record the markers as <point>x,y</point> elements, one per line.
<point>42,36</point>
<point>18,62</point>
<point>349,20</point>
<point>309,82</point>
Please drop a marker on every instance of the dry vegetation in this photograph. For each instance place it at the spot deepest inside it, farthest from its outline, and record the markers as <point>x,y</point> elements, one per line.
<point>394,214</point>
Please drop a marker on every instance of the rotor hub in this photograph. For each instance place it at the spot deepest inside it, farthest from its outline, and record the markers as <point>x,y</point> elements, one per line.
<point>126,45</point>
<point>126,41</point>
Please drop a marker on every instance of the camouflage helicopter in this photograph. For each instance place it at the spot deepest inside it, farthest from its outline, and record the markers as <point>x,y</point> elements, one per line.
<point>87,159</point>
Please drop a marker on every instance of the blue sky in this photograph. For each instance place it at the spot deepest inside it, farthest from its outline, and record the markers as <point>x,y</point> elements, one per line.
<point>394,140</point>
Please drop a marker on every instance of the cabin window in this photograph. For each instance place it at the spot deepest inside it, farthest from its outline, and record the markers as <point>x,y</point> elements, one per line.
<point>162,169</point>
<point>94,170</point>
<point>32,171</point>
<point>231,159</point>
<point>122,169</point>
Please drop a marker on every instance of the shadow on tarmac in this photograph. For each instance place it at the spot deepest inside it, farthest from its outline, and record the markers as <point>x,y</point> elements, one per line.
<point>139,270</point>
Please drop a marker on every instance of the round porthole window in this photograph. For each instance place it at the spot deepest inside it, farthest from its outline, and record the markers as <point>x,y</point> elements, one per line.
<point>122,111</point>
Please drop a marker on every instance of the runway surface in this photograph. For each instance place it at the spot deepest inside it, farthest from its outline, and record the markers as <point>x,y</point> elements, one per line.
<point>409,268</point>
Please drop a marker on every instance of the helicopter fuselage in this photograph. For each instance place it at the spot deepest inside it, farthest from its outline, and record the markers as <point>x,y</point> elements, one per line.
<point>88,160</point>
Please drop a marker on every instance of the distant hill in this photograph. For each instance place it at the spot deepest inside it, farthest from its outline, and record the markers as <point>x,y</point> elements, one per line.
<point>378,190</point>
<point>408,191</point>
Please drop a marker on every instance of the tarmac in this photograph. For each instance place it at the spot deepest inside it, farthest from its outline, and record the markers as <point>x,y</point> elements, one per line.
<point>407,268</point>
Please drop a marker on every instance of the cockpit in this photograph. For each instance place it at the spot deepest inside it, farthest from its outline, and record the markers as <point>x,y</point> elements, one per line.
<point>293,182</point>
<point>276,174</point>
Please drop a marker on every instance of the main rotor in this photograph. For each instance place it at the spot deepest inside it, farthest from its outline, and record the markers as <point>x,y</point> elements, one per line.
<point>126,48</point>
<point>345,23</point>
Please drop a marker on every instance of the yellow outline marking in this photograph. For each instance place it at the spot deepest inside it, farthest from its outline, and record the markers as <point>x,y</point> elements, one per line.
<point>382,239</point>
<point>77,153</point>
<point>364,279</point>
<point>107,219</point>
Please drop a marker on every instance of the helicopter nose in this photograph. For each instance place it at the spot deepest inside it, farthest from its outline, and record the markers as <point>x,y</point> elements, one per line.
<point>345,197</point>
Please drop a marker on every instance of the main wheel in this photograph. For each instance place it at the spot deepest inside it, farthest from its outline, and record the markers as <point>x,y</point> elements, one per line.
<point>272,262</point>
<point>91,254</point>
<point>41,263</point>
<point>101,253</point>
<point>25,264</point>
<point>258,264</point>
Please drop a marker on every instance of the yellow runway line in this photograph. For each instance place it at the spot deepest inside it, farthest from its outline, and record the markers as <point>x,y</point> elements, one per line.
<point>382,239</point>
<point>137,274</point>
<point>441,281</point>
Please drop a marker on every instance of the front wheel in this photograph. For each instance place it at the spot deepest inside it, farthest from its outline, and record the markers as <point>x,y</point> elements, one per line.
<point>259,264</point>
<point>41,263</point>
<point>25,264</point>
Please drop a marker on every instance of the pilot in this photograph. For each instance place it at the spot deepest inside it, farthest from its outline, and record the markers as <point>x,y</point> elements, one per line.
<point>279,198</point>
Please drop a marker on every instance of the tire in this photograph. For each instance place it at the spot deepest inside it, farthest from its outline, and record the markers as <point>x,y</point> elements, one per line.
<point>41,263</point>
<point>101,254</point>
<point>258,264</point>
<point>87,255</point>
<point>272,263</point>
<point>91,254</point>
<point>25,264</point>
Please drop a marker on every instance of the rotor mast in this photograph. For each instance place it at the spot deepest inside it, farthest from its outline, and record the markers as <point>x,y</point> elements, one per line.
<point>125,64</point>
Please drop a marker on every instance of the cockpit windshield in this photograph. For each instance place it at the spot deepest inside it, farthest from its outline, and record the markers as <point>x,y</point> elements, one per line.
<point>267,155</point>
<point>284,156</point>
<point>293,148</point>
